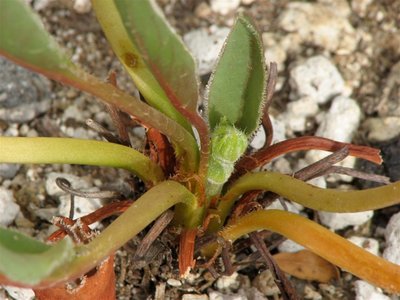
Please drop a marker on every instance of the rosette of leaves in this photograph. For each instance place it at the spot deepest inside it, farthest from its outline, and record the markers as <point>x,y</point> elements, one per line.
<point>209,182</point>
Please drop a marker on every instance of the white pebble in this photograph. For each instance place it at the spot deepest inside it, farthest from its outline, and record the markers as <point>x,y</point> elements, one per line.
<point>337,221</point>
<point>290,246</point>
<point>205,45</point>
<point>392,236</point>
<point>82,6</point>
<point>8,208</point>
<point>298,111</point>
<point>228,282</point>
<point>53,190</point>
<point>369,244</point>
<point>20,293</point>
<point>321,24</point>
<point>339,124</point>
<point>224,6</point>
<point>174,282</point>
<point>194,297</point>
<point>214,295</point>
<point>278,127</point>
<point>316,78</point>
<point>365,291</point>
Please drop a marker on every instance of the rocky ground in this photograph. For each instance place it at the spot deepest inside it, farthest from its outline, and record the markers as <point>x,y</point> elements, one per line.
<point>339,77</point>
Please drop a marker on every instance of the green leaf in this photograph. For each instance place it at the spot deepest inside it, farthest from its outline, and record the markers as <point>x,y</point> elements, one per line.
<point>237,86</point>
<point>151,52</point>
<point>24,38</point>
<point>27,260</point>
<point>322,242</point>
<point>41,150</point>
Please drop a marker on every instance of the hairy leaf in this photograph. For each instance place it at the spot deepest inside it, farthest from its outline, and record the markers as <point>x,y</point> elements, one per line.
<point>237,85</point>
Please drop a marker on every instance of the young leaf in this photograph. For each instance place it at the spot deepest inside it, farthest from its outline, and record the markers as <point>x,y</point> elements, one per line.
<point>237,85</point>
<point>28,261</point>
<point>151,52</point>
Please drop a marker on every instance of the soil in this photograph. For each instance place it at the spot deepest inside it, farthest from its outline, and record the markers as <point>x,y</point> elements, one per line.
<point>156,276</point>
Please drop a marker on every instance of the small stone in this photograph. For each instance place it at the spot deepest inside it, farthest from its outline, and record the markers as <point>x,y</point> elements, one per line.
<point>365,291</point>
<point>339,124</point>
<point>342,120</point>
<point>321,24</point>
<point>382,129</point>
<point>369,244</point>
<point>223,7</point>
<point>8,171</point>
<point>83,206</point>
<point>8,208</point>
<point>278,127</point>
<point>310,293</point>
<point>174,282</point>
<point>274,50</point>
<point>205,45</point>
<point>290,246</point>
<point>389,104</point>
<point>203,10</point>
<point>20,293</point>
<point>23,95</point>
<point>214,295</point>
<point>298,111</point>
<point>316,78</point>
<point>337,221</point>
<point>82,6</point>
<point>360,7</point>
<point>194,297</point>
<point>265,283</point>
<point>52,188</point>
<point>392,236</point>
<point>248,2</point>
<point>225,283</point>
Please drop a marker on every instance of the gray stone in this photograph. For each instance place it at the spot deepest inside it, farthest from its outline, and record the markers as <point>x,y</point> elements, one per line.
<point>23,95</point>
<point>8,208</point>
<point>316,78</point>
<point>8,171</point>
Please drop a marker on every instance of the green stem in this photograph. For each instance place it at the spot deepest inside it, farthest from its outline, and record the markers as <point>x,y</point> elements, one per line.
<point>311,196</point>
<point>74,151</point>
<point>140,214</point>
<point>321,241</point>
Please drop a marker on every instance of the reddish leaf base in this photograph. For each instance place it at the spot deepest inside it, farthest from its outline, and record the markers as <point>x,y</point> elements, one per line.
<point>186,251</point>
<point>97,285</point>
